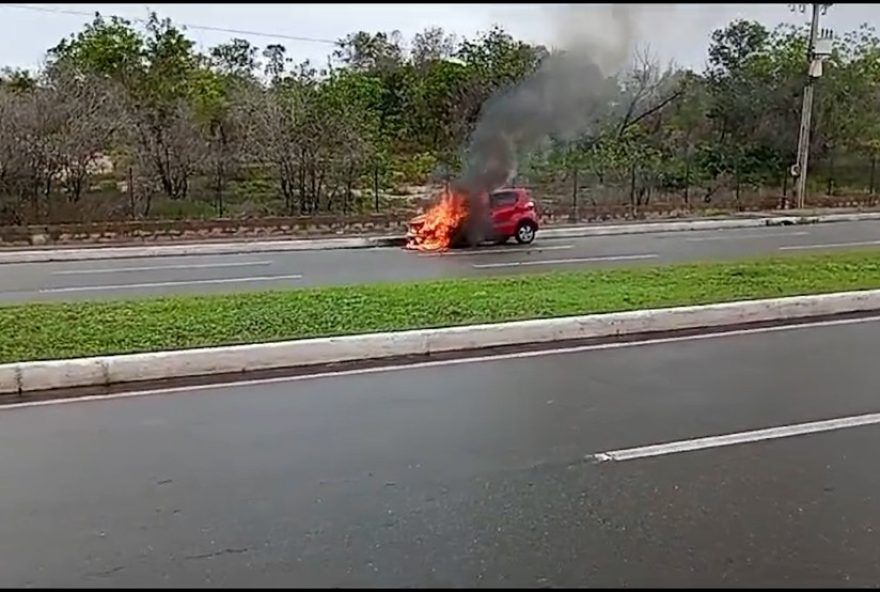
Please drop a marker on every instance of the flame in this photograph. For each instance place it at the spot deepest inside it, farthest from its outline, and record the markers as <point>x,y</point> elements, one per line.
<point>435,229</point>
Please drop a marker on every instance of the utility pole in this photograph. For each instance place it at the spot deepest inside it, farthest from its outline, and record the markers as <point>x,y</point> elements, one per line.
<point>814,62</point>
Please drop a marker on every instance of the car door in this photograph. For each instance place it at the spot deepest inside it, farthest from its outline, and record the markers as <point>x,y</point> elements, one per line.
<point>503,212</point>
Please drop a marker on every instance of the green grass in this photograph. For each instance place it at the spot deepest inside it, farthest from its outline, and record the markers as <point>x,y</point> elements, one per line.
<point>62,330</point>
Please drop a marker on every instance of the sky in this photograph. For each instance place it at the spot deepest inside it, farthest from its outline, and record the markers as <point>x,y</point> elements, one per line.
<point>681,35</point>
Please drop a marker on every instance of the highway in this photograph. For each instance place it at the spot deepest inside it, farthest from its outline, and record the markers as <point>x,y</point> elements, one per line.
<point>488,472</point>
<point>126,278</point>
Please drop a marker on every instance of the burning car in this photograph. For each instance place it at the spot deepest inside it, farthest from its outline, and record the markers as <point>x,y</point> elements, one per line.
<point>510,212</point>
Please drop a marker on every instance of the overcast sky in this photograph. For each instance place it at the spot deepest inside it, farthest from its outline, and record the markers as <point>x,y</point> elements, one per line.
<point>682,35</point>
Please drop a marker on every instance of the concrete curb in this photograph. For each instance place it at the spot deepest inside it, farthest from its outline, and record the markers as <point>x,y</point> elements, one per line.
<point>694,225</point>
<point>106,370</point>
<point>129,252</point>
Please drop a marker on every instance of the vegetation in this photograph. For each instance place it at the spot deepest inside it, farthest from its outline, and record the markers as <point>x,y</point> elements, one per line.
<point>64,330</point>
<point>128,122</point>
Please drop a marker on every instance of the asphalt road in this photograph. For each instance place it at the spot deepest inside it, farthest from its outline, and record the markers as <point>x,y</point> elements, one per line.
<point>127,278</point>
<point>471,474</point>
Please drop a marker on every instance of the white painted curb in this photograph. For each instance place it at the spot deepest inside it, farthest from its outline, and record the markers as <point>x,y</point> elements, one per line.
<point>131,252</point>
<point>98,371</point>
<point>9,379</point>
<point>694,225</point>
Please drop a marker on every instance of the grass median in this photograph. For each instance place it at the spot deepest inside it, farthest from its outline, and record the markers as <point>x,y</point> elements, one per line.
<point>64,330</point>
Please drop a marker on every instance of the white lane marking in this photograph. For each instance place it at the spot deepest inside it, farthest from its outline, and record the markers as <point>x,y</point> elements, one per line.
<point>784,431</point>
<point>829,246</point>
<point>562,261</point>
<point>161,267</point>
<point>441,363</point>
<point>745,236</point>
<point>268,278</point>
<point>494,251</point>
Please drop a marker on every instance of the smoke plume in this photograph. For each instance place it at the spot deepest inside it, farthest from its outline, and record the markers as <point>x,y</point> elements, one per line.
<point>571,91</point>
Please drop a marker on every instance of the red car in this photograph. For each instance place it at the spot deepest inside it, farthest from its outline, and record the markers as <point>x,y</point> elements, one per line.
<point>511,212</point>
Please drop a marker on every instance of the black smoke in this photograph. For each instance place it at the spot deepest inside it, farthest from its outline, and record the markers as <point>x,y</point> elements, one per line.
<point>571,92</point>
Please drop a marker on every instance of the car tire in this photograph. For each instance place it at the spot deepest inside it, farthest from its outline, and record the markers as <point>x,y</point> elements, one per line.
<point>525,233</point>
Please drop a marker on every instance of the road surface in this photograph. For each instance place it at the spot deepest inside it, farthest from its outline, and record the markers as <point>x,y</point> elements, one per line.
<point>482,473</point>
<point>226,273</point>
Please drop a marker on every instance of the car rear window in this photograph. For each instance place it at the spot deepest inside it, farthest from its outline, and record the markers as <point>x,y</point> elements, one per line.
<point>503,198</point>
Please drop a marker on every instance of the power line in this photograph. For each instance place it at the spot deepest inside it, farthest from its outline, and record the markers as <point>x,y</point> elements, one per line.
<point>188,26</point>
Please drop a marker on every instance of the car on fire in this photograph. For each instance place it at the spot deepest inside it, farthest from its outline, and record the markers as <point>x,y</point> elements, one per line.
<point>512,214</point>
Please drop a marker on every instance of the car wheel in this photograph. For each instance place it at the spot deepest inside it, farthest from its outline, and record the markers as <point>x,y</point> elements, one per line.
<point>525,233</point>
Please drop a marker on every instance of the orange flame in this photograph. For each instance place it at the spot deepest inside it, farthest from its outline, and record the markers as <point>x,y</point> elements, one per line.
<point>435,229</point>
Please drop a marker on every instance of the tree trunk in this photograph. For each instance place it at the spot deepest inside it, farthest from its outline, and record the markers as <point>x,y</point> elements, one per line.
<point>302,185</point>
<point>830,190</point>
<point>313,189</point>
<point>48,194</point>
<point>687,179</point>
<point>632,186</point>
<point>35,200</point>
<point>376,186</point>
<point>574,196</point>
<point>148,203</point>
<point>286,177</point>
<point>320,189</point>
<point>349,181</point>
<point>219,190</point>
<point>873,170</point>
<point>221,168</point>
<point>131,193</point>
<point>736,180</point>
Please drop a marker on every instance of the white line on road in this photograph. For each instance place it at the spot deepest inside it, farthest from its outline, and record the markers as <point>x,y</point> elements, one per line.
<point>161,267</point>
<point>785,431</point>
<point>745,236</point>
<point>494,251</point>
<point>829,246</point>
<point>562,261</point>
<point>540,353</point>
<point>268,278</point>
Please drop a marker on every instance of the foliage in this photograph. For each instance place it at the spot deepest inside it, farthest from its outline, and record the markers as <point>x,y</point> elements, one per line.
<point>79,329</point>
<point>182,125</point>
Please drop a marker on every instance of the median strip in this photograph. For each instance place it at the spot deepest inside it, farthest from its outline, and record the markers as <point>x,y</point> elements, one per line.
<point>42,331</point>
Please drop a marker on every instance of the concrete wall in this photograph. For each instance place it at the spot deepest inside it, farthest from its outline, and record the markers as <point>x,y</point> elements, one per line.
<point>168,231</point>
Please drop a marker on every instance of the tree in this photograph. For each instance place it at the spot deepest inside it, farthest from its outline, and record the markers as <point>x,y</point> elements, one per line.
<point>734,45</point>
<point>237,58</point>
<point>91,115</point>
<point>237,120</point>
<point>432,45</point>
<point>17,80</point>
<point>276,62</point>
<point>440,101</point>
<point>166,136</point>
<point>158,71</point>
<point>12,165</point>
<point>498,59</point>
<point>364,52</point>
<point>34,127</point>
